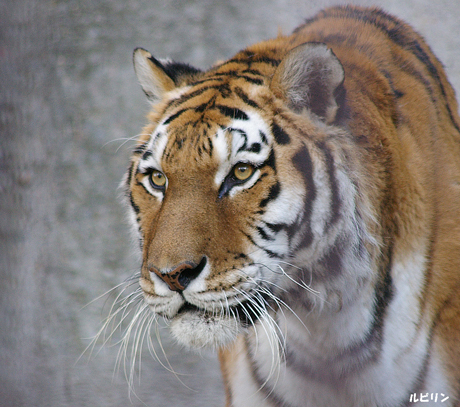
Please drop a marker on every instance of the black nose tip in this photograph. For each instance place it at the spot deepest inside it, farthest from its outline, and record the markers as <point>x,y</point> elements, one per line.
<point>182,275</point>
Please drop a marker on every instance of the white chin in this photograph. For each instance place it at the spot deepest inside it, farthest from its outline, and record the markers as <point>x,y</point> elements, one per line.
<point>198,330</point>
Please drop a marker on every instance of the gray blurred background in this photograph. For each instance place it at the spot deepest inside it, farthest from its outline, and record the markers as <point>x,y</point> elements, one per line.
<point>68,99</point>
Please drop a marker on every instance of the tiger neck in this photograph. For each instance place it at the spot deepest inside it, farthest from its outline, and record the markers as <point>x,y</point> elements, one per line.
<point>336,308</point>
<point>335,311</point>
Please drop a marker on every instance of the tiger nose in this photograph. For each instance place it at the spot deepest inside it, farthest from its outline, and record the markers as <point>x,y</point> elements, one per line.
<point>182,275</point>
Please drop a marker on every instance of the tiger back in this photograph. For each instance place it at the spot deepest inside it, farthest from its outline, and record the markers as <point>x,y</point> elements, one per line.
<point>298,209</point>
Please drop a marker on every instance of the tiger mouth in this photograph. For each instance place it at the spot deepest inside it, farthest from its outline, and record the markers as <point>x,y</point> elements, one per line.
<point>197,327</point>
<point>187,307</point>
<point>244,313</point>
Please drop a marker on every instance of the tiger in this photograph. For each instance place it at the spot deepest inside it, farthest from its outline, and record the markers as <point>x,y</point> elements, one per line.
<point>297,208</point>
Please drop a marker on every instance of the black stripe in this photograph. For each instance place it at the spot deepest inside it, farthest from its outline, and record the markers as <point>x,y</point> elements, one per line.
<point>221,86</point>
<point>233,112</point>
<point>275,190</point>
<point>147,154</point>
<point>188,96</point>
<point>208,79</point>
<point>245,98</point>
<point>253,72</point>
<point>130,175</point>
<point>419,77</point>
<point>303,163</point>
<point>202,148</point>
<point>270,254</point>
<point>240,256</point>
<point>264,234</point>
<point>263,137</point>
<point>271,161</point>
<point>383,296</point>
<point>397,93</point>
<point>276,227</point>
<point>335,196</point>
<point>281,137</point>
<point>250,58</point>
<point>243,134</point>
<point>211,147</point>
<point>133,204</point>
<point>255,81</point>
<point>255,148</point>
<point>204,106</point>
<point>238,74</point>
<point>227,73</point>
<point>140,148</point>
<point>175,116</point>
<point>224,90</point>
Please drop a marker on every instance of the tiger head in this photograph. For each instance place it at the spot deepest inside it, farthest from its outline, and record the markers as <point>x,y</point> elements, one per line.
<point>230,209</point>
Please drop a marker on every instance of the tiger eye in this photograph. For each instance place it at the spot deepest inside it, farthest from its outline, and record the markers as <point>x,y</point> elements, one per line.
<point>157,179</point>
<point>243,171</point>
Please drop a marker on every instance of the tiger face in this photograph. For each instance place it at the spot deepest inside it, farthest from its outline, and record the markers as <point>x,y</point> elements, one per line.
<point>218,188</point>
<point>297,208</point>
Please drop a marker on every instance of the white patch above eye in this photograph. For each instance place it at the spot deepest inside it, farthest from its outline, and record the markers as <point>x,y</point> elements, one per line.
<point>159,147</point>
<point>222,148</point>
<point>246,141</point>
<point>155,146</point>
<point>151,159</point>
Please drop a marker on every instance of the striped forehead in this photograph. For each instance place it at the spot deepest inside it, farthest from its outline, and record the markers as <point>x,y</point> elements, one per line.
<point>243,138</point>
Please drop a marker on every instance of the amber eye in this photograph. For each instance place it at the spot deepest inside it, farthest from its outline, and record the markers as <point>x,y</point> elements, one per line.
<point>243,171</point>
<point>157,179</point>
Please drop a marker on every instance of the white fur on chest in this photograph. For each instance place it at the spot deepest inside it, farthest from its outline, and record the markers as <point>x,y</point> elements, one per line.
<point>318,347</point>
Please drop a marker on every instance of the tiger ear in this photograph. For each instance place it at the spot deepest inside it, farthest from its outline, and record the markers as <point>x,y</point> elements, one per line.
<point>158,77</point>
<point>310,76</point>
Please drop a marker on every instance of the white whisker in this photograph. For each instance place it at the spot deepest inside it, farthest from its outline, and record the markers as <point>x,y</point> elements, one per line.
<point>270,330</point>
<point>125,140</point>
